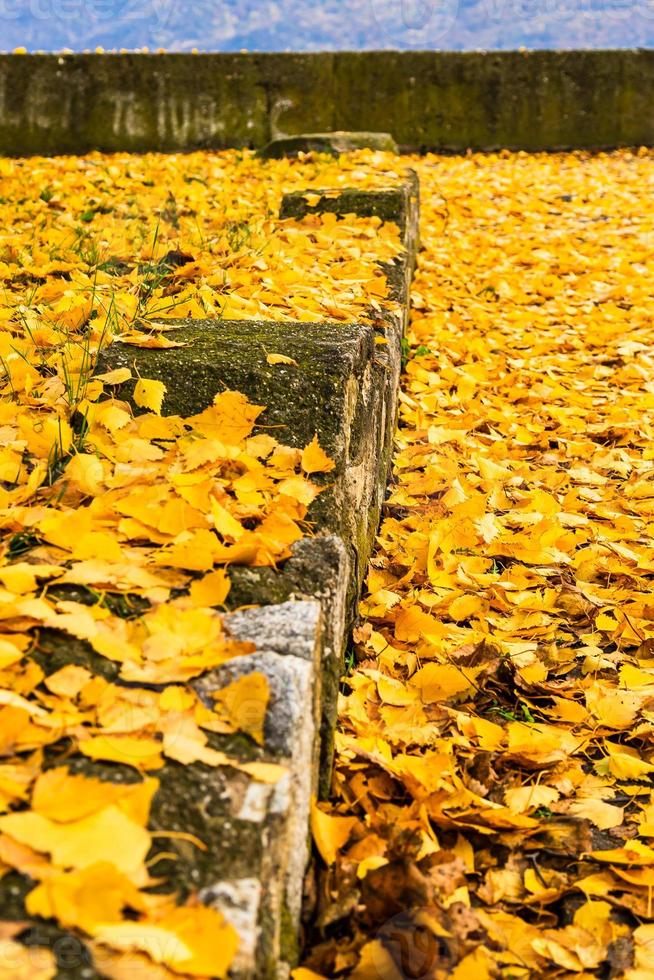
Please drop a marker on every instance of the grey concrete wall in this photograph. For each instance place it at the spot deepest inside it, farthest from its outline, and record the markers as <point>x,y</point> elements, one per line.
<point>427,100</point>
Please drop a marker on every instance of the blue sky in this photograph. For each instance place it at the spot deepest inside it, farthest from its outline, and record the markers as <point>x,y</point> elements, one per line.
<point>309,25</point>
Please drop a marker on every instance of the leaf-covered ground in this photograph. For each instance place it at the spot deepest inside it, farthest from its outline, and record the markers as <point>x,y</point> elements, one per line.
<point>493,811</point>
<point>116,526</point>
<point>120,241</point>
<point>492,796</point>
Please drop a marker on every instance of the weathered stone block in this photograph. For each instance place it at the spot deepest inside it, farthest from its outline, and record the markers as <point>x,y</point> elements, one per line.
<point>265,903</point>
<point>335,143</point>
<point>339,391</point>
<point>344,389</point>
<point>398,203</point>
<point>220,354</point>
<point>319,568</point>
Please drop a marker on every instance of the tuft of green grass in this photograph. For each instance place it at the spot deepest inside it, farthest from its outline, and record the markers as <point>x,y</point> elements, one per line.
<point>21,543</point>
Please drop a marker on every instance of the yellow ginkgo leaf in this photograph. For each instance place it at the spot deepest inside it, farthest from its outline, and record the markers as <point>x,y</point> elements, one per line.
<point>86,472</point>
<point>116,377</point>
<point>212,589</point>
<point>603,815</point>
<point>192,940</point>
<point>315,459</point>
<point>438,682</point>
<point>330,833</point>
<point>149,394</point>
<point>80,843</point>
<point>524,799</point>
<point>243,704</point>
<point>140,751</point>
<point>281,359</point>
<point>95,895</point>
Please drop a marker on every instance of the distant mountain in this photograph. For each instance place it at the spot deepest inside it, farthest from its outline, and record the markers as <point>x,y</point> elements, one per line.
<point>309,25</point>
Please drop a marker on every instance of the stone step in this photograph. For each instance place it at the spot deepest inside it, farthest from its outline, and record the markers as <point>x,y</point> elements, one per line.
<point>344,387</point>
<point>340,141</point>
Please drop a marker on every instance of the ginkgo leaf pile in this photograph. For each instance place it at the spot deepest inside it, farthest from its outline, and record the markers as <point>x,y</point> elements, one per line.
<point>125,549</point>
<point>493,811</point>
<point>117,524</point>
<point>117,242</point>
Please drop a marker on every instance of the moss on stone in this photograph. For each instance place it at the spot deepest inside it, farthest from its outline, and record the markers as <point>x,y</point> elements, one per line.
<point>300,402</point>
<point>224,354</point>
<point>194,799</point>
<point>55,650</point>
<point>289,942</point>
<point>388,204</point>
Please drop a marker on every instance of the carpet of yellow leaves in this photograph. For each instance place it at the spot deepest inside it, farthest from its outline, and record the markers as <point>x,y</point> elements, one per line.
<point>494,811</point>
<point>116,527</point>
<point>493,784</point>
<point>120,241</point>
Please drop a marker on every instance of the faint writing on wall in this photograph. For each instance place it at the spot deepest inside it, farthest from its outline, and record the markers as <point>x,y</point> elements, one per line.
<point>39,105</point>
<point>177,120</point>
<point>98,111</point>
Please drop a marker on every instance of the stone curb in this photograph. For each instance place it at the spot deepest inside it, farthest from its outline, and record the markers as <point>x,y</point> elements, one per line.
<point>346,390</point>
<point>263,903</point>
